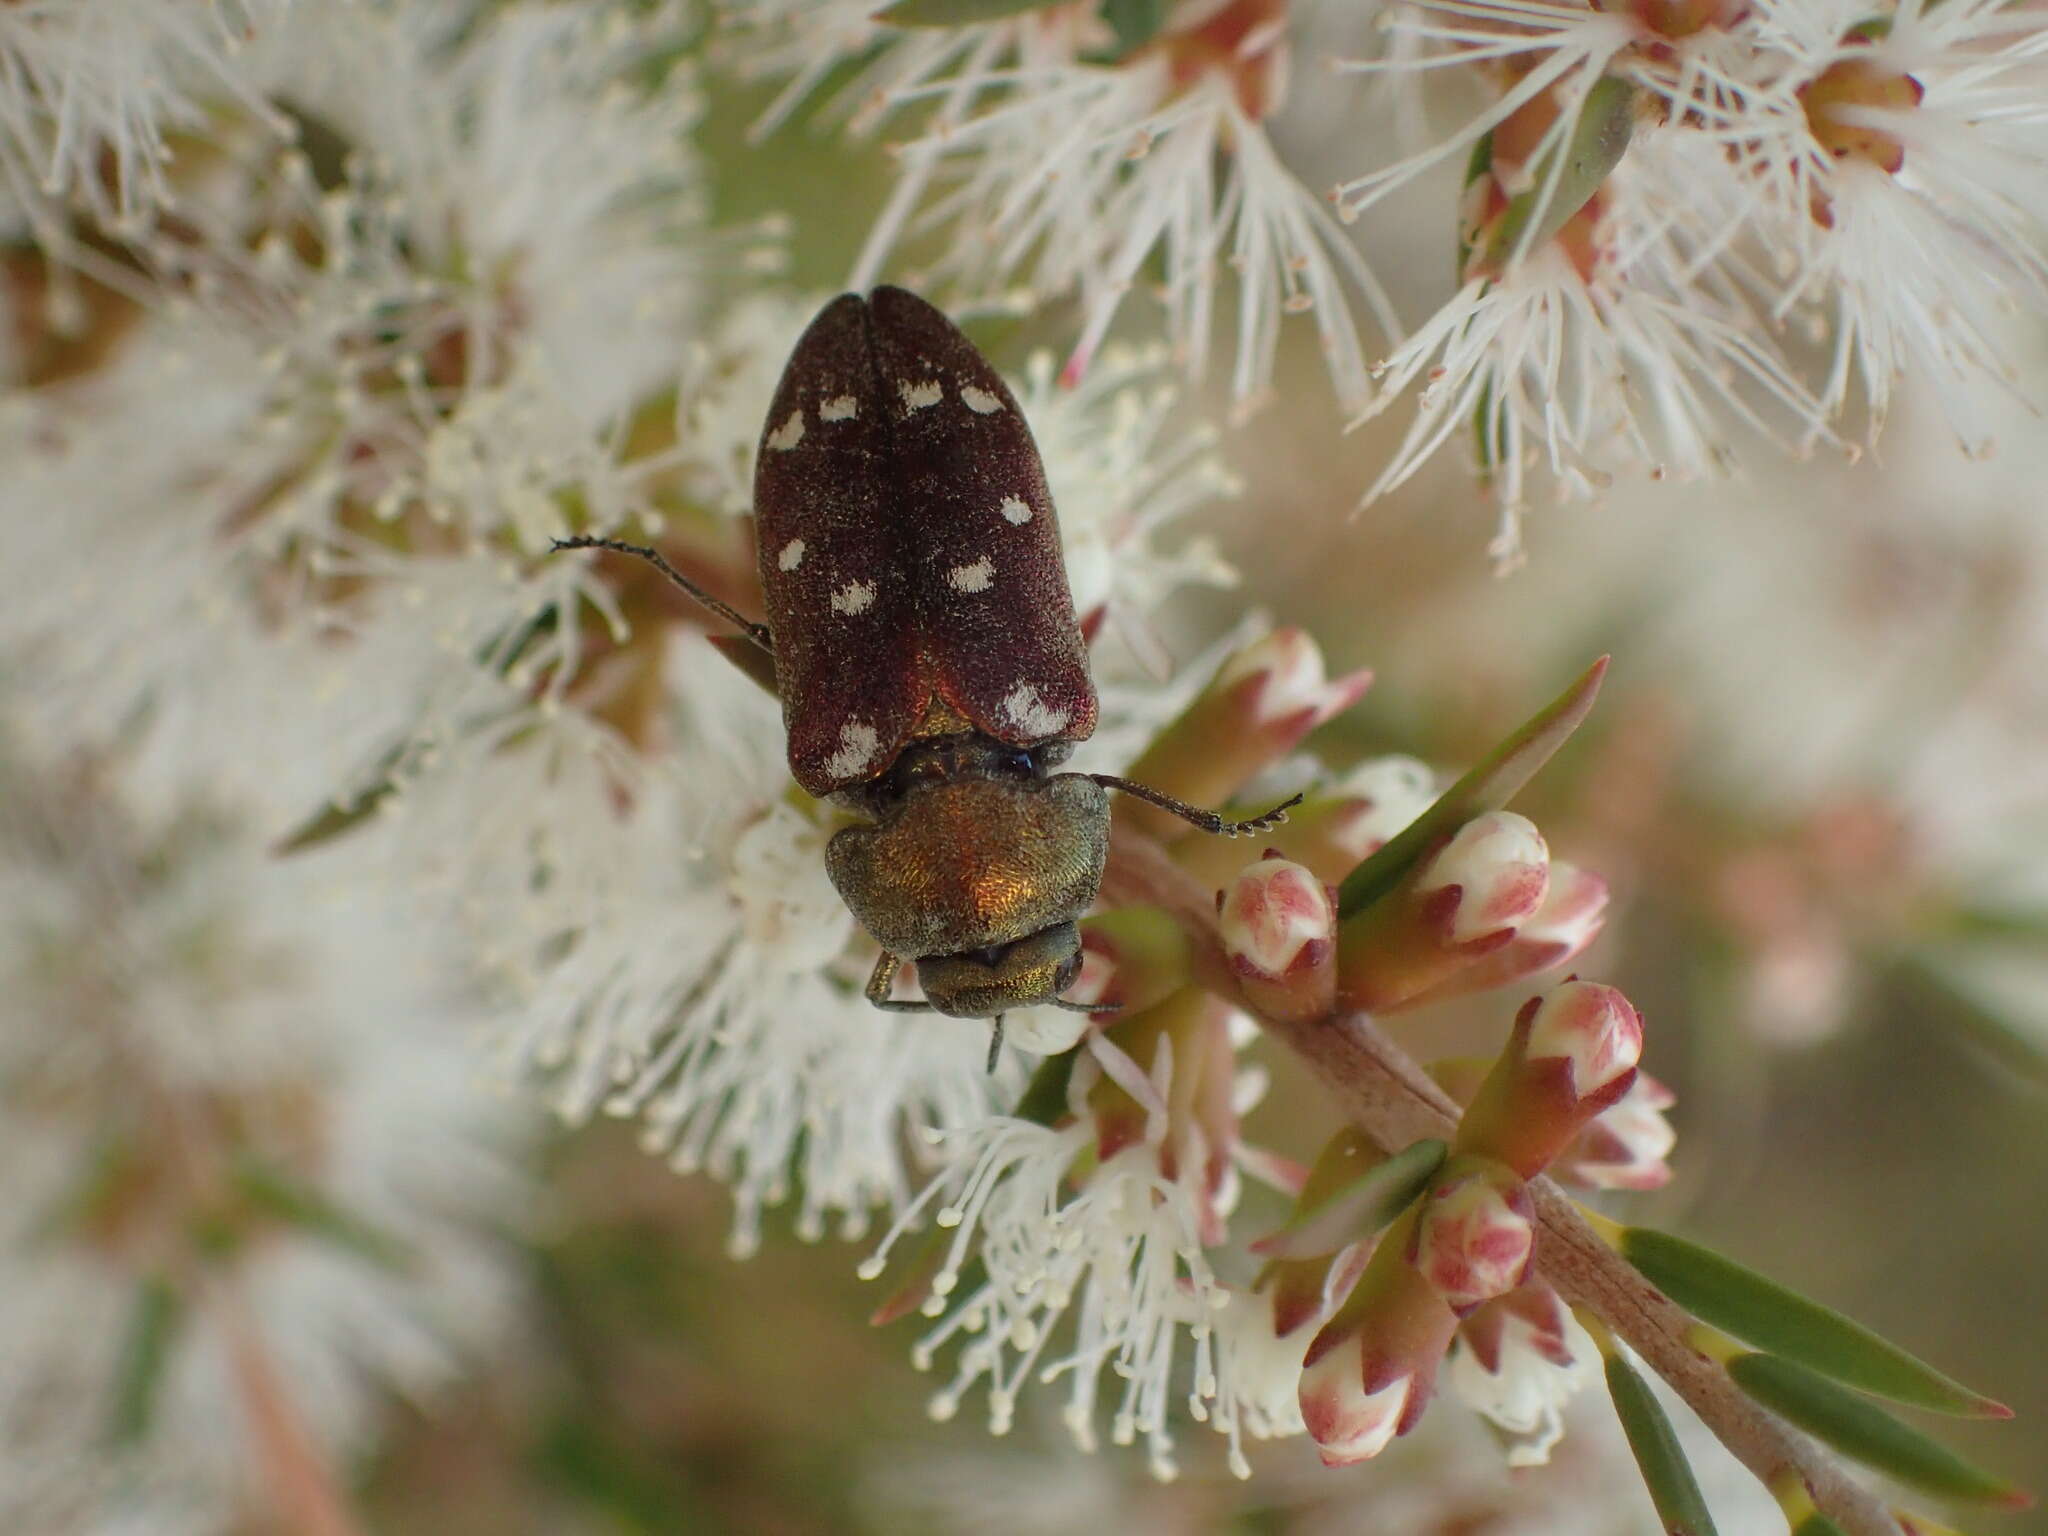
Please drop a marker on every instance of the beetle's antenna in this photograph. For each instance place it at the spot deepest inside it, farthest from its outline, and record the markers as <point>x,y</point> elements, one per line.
<point>1208,821</point>
<point>758,633</point>
<point>995,1043</point>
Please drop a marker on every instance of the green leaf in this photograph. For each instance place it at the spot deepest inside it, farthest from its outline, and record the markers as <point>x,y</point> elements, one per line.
<point>1135,22</point>
<point>153,1323</point>
<point>1598,141</point>
<point>957,13</point>
<point>342,816</point>
<point>1866,1433</point>
<point>1774,1318</point>
<point>280,1196</point>
<point>1362,1208</point>
<point>1489,786</point>
<point>1045,1096</point>
<point>1666,1472</point>
<point>1817,1524</point>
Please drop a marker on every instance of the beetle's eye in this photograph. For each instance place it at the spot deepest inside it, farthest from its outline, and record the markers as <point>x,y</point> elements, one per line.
<point>1064,977</point>
<point>1018,761</point>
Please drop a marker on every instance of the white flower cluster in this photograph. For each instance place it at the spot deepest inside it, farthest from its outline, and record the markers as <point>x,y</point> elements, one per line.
<point>1682,224</point>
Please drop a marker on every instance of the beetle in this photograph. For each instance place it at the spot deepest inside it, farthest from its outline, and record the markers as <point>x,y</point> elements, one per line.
<point>925,649</point>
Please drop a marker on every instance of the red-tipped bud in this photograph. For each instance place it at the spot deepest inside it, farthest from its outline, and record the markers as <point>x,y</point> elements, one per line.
<point>1349,1423</point>
<point>1371,1368</point>
<point>1572,1055</point>
<point>1593,1028</point>
<point>1279,927</point>
<point>1465,902</point>
<point>1626,1145</point>
<point>1573,912</point>
<point>1474,1233</point>
<point>1266,698</point>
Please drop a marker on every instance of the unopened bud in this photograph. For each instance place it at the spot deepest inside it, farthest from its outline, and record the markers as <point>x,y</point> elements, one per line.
<point>1475,1233</point>
<point>1591,1026</point>
<point>1348,1423</point>
<point>1499,867</point>
<point>1370,1370</point>
<point>1626,1145</point>
<point>1261,704</point>
<point>1573,912</point>
<point>1572,1055</point>
<point>1466,901</point>
<point>1279,928</point>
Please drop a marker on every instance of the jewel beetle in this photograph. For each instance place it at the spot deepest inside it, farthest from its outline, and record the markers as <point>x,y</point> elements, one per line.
<point>926,653</point>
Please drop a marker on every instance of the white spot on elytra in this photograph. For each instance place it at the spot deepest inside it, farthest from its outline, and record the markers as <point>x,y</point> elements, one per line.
<point>917,396</point>
<point>980,401</point>
<point>792,555</point>
<point>857,744</point>
<point>1015,511</point>
<point>1030,714</point>
<point>978,577</point>
<point>854,597</point>
<point>839,408</point>
<point>789,434</point>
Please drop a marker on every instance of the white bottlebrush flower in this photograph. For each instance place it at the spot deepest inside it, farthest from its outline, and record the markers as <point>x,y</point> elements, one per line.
<point>1049,167</point>
<point>250,1158</point>
<point>91,91</point>
<point>1898,179</point>
<point>1614,351</point>
<point>1121,1259</point>
<point>1530,1379</point>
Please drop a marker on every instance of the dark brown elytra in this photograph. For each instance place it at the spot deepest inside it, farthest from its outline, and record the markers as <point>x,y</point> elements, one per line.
<point>931,671</point>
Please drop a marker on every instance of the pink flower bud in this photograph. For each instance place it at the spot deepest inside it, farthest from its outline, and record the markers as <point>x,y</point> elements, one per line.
<point>1279,929</point>
<point>1267,697</point>
<point>1349,1423</point>
<point>1500,868</point>
<point>1572,1055</point>
<point>1593,1027</point>
<point>1626,1145</point>
<point>1573,912</point>
<point>1475,1233</point>
<point>1288,666</point>
<point>1465,902</point>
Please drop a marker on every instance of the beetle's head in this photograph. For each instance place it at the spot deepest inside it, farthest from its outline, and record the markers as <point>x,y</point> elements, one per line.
<point>979,880</point>
<point>987,982</point>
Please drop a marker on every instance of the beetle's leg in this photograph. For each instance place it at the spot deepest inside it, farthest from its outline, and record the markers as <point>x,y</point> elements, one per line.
<point>881,979</point>
<point>758,633</point>
<point>995,1043</point>
<point>1208,821</point>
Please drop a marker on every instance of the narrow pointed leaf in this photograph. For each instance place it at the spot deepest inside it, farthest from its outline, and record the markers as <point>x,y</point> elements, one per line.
<point>153,1324</point>
<point>1489,786</point>
<point>1864,1432</point>
<point>1666,1472</point>
<point>957,13</point>
<point>1781,1321</point>
<point>285,1199</point>
<point>336,819</point>
<point>1598,141</point>
<point>1363,1208</point>
<point>1817,1524</point>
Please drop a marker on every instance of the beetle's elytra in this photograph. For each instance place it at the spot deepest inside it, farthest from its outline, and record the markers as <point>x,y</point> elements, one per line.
<point>927,656</point>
